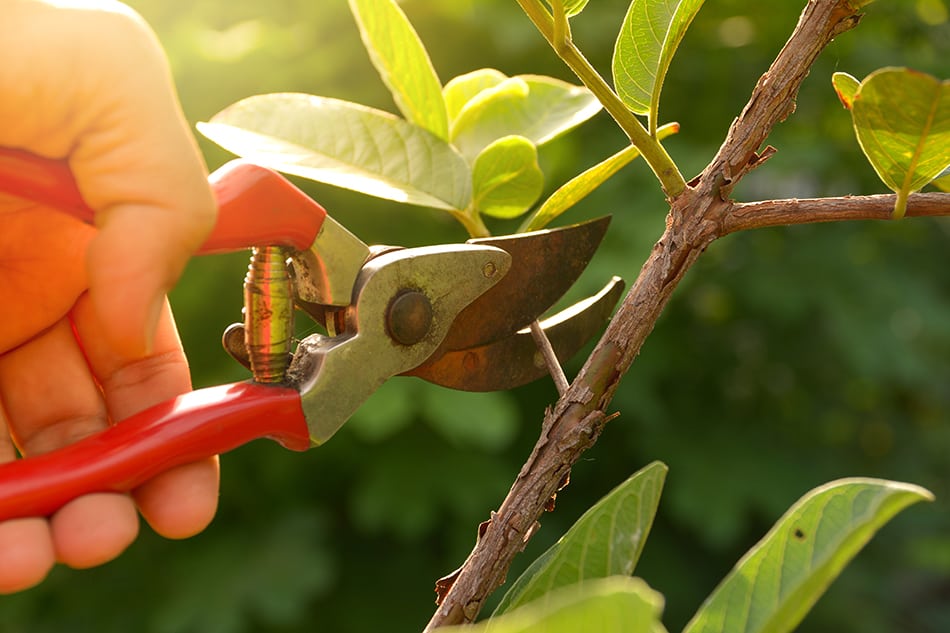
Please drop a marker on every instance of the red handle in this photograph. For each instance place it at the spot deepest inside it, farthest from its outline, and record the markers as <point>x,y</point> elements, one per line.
<point>256,206</point>
<point>259,207</point>
<point>179,431</point>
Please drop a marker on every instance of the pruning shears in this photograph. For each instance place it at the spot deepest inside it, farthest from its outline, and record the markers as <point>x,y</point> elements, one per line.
<point>456,315</point>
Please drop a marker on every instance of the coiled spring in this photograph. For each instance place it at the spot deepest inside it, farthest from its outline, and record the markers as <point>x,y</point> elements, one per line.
<point>268,314</point>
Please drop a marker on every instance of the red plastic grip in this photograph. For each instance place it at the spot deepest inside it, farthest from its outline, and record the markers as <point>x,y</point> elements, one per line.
<point>256,205</point>
<point>259,207</point>
<point>43,180</point>
<point>191,427</point>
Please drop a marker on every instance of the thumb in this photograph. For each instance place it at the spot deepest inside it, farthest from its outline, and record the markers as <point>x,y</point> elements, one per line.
<point>138,166</point>
<point>132,263</point>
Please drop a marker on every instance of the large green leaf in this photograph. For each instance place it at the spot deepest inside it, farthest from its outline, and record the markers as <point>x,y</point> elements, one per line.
<point>650,35</point>
<point>506,178</point>
<point>576,189</point>
<point>777,582</point>
<point>403,63</point>
<point>617,604</point>
<point>347,145</point>
<point>606,541</point>
<point>902,120</point>
<point>535,107</point>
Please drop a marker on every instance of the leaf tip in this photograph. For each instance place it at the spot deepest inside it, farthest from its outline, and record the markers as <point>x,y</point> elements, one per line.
<point>846,87</point>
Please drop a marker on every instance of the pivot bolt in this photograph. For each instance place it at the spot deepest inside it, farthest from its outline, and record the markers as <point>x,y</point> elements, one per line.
<point>409,317</point>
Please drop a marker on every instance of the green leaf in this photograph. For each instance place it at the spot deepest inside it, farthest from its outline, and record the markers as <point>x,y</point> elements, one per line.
<point>535,107</point>
<point>777,582</point>
<point>606,541</point>
<point>846,87</point>
<point>608,605</point>
<point>506,178</point>
<point>403,63</point>
<point>650,35</point>
<point>571,7</point>
<point>580,186</point>
<point>902,121</point>
<point>460,90</point>
<point>346,145</point>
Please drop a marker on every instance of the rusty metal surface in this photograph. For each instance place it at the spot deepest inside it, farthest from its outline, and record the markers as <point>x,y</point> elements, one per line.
<point>545,264</point>
<point>515,359</point>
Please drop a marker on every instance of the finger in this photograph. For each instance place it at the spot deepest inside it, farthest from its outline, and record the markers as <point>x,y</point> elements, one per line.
<point>50,399</point>
<point>26,554</point>
<point>26,549</point>
<point>179,502</point>
<point>93,529</point>
<point>49,395</point>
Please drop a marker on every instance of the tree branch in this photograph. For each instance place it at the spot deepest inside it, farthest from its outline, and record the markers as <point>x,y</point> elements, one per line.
<point>699,215</point>
<point>754,215</point>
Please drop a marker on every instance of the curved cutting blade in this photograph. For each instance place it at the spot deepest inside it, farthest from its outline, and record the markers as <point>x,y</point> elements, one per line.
<point>545,264</point>
<point>515,359</point>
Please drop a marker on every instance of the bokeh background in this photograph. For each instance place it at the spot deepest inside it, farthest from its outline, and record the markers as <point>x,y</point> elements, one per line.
<point>787,358</point>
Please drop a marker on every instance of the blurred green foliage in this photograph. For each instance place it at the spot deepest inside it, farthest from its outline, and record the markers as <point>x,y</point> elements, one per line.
<point>787,358</point>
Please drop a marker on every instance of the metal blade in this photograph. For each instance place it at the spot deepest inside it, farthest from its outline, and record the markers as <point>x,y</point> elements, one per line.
<point>544,265</point>
<point>515,360</point>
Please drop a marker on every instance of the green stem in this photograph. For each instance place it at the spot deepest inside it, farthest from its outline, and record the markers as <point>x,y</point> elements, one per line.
<point>900,205</point>
<point>653,152</point>
<point>562,26</point>
<point>471,219</point>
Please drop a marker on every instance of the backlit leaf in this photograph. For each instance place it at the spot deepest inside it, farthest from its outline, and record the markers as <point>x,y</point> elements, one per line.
<point>777,582</point>
<point>346,145</point>
<point>460,90</point>
<point>580,186</point>
<point>535,107</point>
<point>506,178</point>
<point>606,541</point>
<point>403,63</point>
<point>650,35</point>
<point>902,121</point>
<point>617,604</point>
<point>846,87</point>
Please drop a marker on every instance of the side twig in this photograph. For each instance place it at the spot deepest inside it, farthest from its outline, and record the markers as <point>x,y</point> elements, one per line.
<point>550,358</point>
<point>755,215</point>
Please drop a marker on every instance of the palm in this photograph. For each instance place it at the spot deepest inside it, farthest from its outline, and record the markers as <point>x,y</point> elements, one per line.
<point>42,276</point>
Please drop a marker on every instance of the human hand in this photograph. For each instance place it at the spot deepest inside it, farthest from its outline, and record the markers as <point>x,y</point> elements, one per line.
<point>87,338</point>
